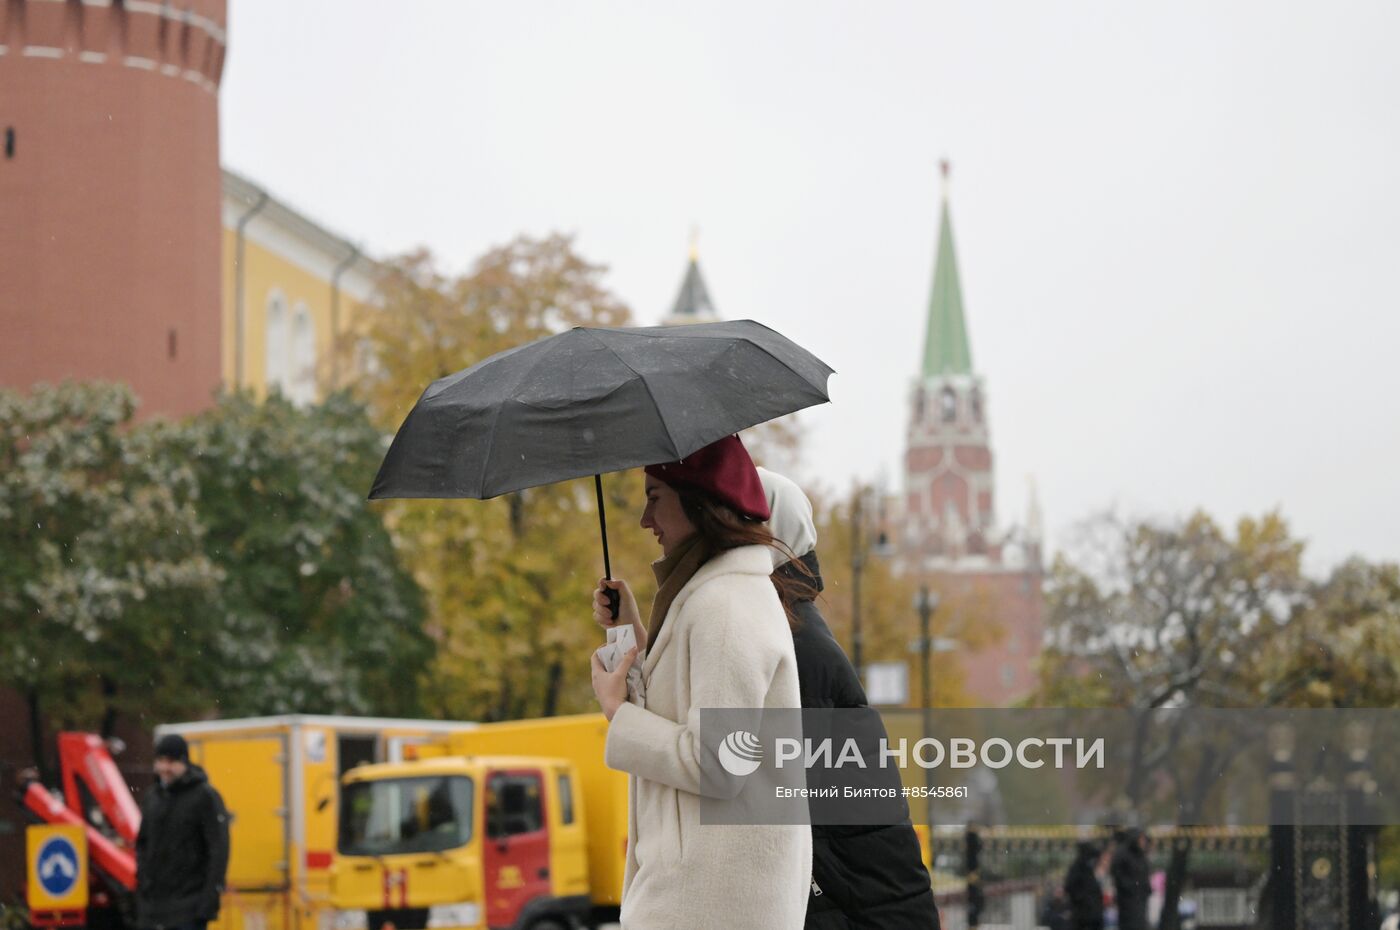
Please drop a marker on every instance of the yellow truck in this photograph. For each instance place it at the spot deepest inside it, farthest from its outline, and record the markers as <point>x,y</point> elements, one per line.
<point>516,825</point>
<point>279,777</point>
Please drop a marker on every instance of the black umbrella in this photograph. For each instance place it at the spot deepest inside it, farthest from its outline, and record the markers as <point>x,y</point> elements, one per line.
<point>589,401</point>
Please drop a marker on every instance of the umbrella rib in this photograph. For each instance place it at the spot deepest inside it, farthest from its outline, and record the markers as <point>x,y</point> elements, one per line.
<point>496,418</point>
<point>775,358</point>
<point>727,338</point>
<point>655,405</point>
<point>731,339</point>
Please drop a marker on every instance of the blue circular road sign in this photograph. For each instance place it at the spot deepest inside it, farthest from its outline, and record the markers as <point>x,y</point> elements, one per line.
<point>57,865</point>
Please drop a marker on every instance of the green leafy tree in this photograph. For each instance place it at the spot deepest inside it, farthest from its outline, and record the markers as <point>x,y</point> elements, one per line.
<point>106,594</point>
<point>316,612</point>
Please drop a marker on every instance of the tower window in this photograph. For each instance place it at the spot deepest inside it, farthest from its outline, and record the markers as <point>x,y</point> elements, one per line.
<point>976,404</point>
<point>9,142</point>
<point>948,401</point>
<point>170,343</point>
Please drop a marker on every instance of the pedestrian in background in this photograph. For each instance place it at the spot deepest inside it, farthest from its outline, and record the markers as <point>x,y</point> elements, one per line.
<point>869,876</point>
<point>182,846</point>
<point>1083,890</point>
<point>1132,880</point>
<point>1054,909</point>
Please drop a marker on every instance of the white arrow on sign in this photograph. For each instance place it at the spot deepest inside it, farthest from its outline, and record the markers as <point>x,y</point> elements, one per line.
<point>58,863</point>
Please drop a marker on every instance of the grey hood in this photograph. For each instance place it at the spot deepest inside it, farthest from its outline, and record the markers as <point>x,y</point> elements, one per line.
<point>791,522</point>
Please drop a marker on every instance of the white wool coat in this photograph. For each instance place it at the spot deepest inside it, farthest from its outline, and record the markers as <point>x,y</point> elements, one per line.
<point>725,643</point>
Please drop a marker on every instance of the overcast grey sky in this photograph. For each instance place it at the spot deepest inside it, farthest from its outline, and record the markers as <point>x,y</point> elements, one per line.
<point>1178,225</point>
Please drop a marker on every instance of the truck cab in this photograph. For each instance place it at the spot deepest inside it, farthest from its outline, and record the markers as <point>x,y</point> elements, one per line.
<point>459,841</point>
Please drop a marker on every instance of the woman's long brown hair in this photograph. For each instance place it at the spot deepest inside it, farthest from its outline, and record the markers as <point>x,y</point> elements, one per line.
<point>724,529</point>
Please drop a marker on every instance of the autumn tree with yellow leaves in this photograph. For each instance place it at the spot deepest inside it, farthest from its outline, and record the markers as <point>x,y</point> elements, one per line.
<point>508,581</point>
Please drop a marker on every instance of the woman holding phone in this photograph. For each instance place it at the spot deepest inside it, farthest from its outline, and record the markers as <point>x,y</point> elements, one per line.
<point>716,636</point>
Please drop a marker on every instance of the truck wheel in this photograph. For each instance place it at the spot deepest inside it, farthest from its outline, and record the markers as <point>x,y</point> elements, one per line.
<point>548,923</point>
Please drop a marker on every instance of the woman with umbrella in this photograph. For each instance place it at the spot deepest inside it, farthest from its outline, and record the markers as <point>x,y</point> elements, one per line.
<point>717,636</point>
<point>593,401</point>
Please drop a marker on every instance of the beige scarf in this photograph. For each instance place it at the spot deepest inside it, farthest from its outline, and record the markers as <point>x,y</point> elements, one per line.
<point>672,572</point>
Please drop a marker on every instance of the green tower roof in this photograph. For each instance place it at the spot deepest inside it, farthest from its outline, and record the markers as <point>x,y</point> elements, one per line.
<point>946,349</point>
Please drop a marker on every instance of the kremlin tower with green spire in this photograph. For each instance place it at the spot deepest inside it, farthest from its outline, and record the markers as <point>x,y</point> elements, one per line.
<point>950,535</point>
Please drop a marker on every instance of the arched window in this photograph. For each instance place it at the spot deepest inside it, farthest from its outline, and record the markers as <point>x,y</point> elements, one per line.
<point>302,386</point>
<point>948,401</point>
<point>976,404</point>
<point>278,350</point>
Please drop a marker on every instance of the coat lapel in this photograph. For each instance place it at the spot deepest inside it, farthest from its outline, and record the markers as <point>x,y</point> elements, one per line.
<point>744,560</point>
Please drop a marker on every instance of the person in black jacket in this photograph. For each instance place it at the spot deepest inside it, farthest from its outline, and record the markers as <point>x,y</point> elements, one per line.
<point>1083,889</point>
<point>182,847</point>
<point>863,876</point>
<point>1132,884</point>
<point>1054,909</point>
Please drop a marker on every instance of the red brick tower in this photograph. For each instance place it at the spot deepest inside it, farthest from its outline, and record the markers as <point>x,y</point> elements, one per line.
<point>950,535</point>
<point>110,186</point>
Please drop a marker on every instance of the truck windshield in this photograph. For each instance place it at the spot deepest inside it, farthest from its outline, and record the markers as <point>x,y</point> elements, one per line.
<point>405,815</point>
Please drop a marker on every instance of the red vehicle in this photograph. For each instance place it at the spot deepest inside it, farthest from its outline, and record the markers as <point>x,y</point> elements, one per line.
<point>94,796</point>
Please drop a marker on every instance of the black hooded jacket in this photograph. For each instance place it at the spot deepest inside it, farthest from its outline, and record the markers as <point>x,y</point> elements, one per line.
<point>1132,884</point>
<point>863,876</point>
<point>181,852</point>
<point>1084,891</point>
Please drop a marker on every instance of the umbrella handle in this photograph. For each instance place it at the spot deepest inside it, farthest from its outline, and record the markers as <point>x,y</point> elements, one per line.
<point>614,597</point>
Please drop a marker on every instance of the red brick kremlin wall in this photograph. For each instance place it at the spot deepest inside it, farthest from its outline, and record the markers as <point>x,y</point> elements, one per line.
<point>110,195</point>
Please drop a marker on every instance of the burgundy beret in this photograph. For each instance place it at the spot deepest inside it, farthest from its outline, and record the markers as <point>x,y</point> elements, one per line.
<point>724,471</point>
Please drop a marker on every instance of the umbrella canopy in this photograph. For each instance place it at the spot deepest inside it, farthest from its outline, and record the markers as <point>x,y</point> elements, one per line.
<point>590,401</point>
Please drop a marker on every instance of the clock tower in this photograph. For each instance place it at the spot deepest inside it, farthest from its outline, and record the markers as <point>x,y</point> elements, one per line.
<point>950,515</point>
<point>949,533</point>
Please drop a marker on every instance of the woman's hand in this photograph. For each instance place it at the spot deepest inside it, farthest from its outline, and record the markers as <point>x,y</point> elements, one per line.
<point>627,608</point>
<point>611,687</point>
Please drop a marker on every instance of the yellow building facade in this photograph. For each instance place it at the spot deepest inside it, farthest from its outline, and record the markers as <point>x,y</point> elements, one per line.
<point>291,290</point>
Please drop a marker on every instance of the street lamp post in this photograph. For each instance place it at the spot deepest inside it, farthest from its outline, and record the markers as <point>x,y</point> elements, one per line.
<point>864,539</point>
<point>926,604</point>
<point>857,566</point>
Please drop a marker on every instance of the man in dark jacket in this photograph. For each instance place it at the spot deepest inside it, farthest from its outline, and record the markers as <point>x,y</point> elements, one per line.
<point>1083,889</point>
<point>1132,884</point>
<point>863,876</point>
<point>182,848</point>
